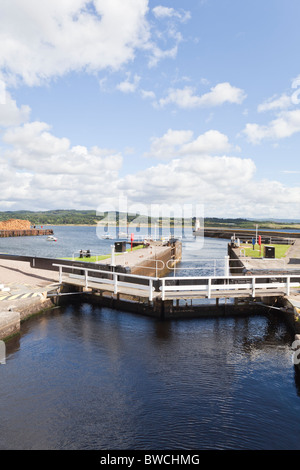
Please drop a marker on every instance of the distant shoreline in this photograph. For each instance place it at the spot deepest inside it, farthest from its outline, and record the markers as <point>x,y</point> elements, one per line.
<point>216,227</point>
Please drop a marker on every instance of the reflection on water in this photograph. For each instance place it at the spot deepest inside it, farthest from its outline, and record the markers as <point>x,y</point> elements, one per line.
<point>82,377</point>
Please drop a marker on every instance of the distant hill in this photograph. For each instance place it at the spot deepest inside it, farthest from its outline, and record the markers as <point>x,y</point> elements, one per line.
<point>90,217</point>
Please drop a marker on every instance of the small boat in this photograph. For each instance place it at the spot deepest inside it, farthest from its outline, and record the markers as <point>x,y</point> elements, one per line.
<point>107,236</point>
<point>51,238</point>
<point>123,235</point>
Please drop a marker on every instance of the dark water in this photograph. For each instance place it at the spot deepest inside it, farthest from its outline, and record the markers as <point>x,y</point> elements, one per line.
<point>82,377</point>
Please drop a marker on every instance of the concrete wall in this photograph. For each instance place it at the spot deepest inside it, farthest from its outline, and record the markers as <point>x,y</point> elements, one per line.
<point>9,324</point>
<point>24,233</point>
<point>168,254</point>
<point>246,233</point>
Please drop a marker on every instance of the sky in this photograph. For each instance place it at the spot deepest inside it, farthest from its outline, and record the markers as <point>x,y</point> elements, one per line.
<point>170,104</point>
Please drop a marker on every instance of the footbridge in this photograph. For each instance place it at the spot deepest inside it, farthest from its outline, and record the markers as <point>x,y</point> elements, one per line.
<point>163,291</point>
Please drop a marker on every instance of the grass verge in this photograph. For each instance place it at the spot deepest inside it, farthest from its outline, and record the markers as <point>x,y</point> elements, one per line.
<point>280,250</point>
<point>96,258</point>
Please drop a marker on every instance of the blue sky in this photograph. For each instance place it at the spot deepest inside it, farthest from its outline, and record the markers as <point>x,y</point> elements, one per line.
<point>158,102</point>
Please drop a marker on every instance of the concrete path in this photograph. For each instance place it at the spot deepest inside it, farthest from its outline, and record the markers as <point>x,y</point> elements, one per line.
<point>23,284</point>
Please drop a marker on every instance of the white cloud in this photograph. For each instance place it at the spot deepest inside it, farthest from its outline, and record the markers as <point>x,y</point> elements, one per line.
<point>158,54</point>
<point>211,142</point>
<point>201,178</point>
<point>274,103</point>
<point>41,40</point>
<point>167,146</point>
<point>35,149</point>
<point>165,12</point>
<point>148,94</point>
<point>286,124</point>
<point>178,143</point>
<point>10,114</point>
<point>218,95</point>
<point>40,170</point>
<point>44,40</point>
<point>128,86</point>
<point>225,186</point>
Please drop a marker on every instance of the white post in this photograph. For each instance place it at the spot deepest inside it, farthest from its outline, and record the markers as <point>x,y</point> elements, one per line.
<point>227,266</point>
<point>115,283</point>
<point>163,290</point>
<point>253,287</point>
<point>60,274</point>
<point>112,261</point>
<point>288,283</point>
<point>151,290</point>
<point>209,288</point>
<point>86,278</point>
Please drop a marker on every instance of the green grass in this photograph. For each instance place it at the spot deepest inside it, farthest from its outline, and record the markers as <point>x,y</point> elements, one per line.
<point>94,259</point>
<point>280,250</point>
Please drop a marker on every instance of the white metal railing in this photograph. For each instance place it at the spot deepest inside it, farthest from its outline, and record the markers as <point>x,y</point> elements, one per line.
<point>231,284</point>
<point>115,281</point>
<point>189,285</point>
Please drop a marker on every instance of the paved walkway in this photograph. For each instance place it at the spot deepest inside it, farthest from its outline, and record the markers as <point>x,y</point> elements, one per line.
<point>23,283</point>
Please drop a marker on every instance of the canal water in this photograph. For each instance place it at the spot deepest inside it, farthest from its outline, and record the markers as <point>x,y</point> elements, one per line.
<point>84,377</point>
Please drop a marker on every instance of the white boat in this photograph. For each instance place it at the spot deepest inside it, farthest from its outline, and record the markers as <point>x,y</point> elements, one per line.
<point>107,236</point>
<point>123,235</point>
<point>51,238</point>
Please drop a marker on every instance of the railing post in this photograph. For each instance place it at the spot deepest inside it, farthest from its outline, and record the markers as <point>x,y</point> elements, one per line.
<point>151,290</point>
<point>163,289</point>
<point>253,287</point>
<point>86,278</point>
<point>113,263</point>
<point>209,288</point>
<point>115,283</point>
<point>227,266</point>
<point>288,285</point>
<point>60,274</point>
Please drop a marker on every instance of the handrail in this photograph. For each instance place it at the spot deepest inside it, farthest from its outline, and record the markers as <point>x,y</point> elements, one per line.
<point>206,285</point>
<point>230,283</point>
<point>115,281</point>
